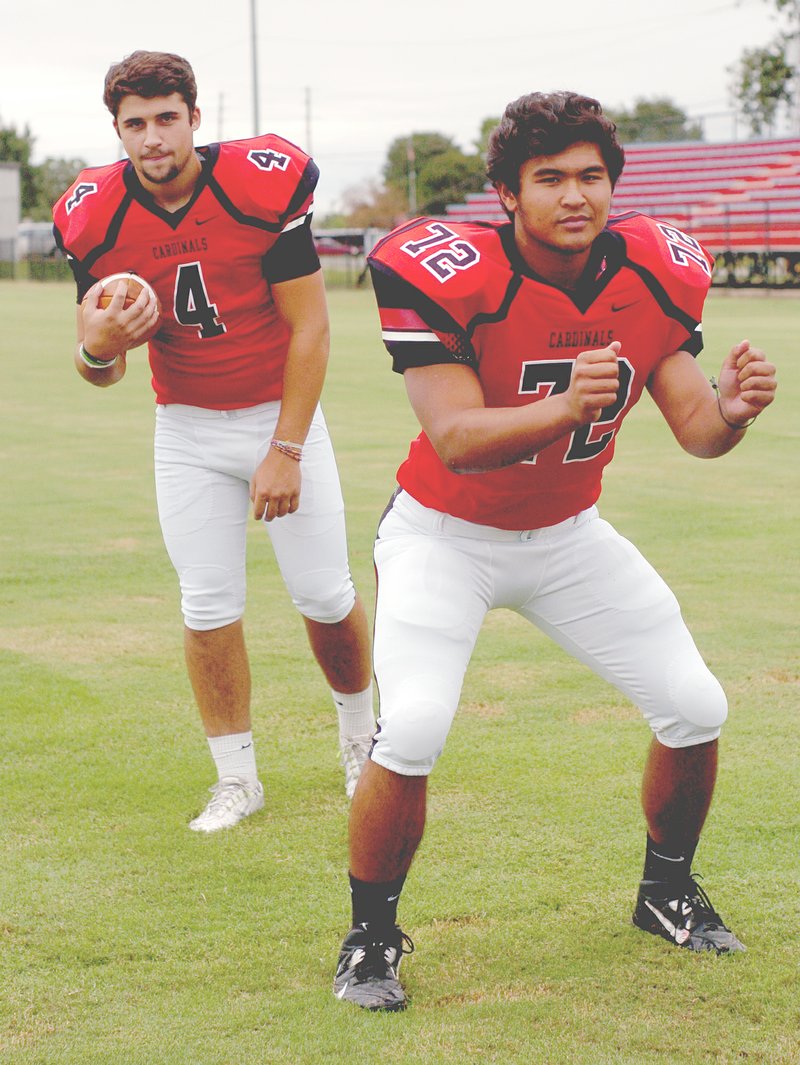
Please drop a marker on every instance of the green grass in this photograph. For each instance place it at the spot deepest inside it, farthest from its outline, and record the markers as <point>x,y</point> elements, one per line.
<point>126,939</point>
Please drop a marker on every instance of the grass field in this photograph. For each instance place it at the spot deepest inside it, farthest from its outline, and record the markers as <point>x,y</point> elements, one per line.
<point>126,939</point>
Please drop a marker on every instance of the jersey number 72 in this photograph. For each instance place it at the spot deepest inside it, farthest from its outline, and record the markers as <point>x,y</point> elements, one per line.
<point>553,377</point>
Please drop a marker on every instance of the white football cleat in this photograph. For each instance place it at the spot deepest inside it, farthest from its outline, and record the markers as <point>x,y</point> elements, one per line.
<point>231,800</point>
<point>353,753</point>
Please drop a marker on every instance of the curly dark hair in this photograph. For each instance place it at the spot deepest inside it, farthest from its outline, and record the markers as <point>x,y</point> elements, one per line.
<point>545,123</point>
<point>149,74</point>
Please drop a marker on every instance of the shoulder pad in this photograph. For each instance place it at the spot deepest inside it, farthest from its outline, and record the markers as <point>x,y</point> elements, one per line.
<point>83,214</point>
<point>679,262</point>
<point>267,178</point>
<point>461,266</point>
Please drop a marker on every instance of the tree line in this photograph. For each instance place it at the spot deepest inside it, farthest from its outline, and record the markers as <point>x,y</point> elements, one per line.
<point>40,185</point>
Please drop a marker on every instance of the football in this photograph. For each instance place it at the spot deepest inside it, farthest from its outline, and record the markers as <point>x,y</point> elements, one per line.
<point>134,284</point>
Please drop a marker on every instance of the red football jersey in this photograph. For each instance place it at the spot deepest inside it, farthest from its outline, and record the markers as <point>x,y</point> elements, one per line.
<point>460,292</point>
<point>222,344</point>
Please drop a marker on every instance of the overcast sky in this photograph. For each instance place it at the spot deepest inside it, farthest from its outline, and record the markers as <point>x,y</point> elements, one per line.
<point>348,77</point>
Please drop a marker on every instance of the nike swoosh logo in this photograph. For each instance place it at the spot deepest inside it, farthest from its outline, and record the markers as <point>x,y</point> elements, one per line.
<point>666,859</point>
<point>202,221</point>
<point>622,306</point>
<point>680,935</point>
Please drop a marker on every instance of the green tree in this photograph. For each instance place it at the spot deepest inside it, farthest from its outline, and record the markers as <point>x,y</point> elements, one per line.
<point>16,147</point>
<point>413,151</point>
<point>659,119</point>
<point>765,78</point>
<point>433,166</point>
<point>428,164</point>
<point>447,178</point>
<point>482,140</point>
<point>40,186</point>
<point>52,178</point>
<point>370,204</point>
<point>762,81</point>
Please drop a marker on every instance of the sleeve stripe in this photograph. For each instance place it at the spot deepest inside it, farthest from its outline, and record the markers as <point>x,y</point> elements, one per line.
<point>409,335</point>
<point>296,222</point>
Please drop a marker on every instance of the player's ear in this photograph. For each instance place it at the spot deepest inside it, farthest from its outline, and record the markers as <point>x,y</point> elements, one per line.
<point>195,118</point>
<point>507,197</point>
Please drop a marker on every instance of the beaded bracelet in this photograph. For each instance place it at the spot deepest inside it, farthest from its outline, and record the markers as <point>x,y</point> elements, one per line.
<point>92,361</point>
<point>731,425</point>
<point>286,447</point>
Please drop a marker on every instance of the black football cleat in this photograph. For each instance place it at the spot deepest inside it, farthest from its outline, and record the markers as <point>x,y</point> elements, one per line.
<point>368,966</point>
<point>683,915</point>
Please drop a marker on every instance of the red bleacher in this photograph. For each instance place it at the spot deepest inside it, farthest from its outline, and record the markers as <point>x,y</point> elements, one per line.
<point>740,196</point>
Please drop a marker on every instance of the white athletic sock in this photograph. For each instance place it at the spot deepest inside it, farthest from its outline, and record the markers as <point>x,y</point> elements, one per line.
<point>356,716</point>
<point>235,756</point>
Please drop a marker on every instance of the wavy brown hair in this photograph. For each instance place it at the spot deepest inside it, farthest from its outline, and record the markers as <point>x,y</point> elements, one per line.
<point>149,74</point>
<point>542,123</point>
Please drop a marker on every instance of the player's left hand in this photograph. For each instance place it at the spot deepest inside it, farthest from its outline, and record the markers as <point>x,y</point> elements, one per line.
<point>746,383</point>
<point>275,487</point>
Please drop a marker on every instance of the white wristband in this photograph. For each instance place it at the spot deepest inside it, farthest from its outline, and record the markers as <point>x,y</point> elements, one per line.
<point>95,363</point>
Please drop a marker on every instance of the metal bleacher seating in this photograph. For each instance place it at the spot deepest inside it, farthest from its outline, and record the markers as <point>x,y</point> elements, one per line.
<point>733,197</point>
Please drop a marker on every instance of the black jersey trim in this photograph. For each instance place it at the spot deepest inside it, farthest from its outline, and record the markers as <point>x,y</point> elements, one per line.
<point>293,255</point>
<point>395,292</point>
<point>306,185</point>
<point>489,317</point>
<point>112,233</point>
<point>590,286</point>
<point>657,290</point>
<point>171,218</point>
<point>659,293</point>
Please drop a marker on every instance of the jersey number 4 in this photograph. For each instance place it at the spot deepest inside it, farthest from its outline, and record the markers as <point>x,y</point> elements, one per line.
<point>550,378</point>
<point>192,306</point>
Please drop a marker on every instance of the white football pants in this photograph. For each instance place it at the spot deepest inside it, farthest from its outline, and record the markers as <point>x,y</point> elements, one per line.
<point>579,581</point>
<point>204,460</point>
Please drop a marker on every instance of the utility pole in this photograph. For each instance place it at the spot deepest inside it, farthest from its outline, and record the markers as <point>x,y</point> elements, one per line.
<point>308,122</point>
<point>254,48</point>
<point>412,177</point>
<point>793,60</point>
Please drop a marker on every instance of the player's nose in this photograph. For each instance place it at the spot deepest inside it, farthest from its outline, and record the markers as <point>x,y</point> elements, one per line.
<point>152,134</point>
<point>573,193</point>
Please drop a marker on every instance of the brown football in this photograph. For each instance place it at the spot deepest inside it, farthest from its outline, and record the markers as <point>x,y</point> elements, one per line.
<point>134,284</point>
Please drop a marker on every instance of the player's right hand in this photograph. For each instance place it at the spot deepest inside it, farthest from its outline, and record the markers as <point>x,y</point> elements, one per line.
<point>114,328</point>
<point>594,383</point>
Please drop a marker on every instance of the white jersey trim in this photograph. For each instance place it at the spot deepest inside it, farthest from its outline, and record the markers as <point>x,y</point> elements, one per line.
<point>395,336</point>
<point>296,222</point>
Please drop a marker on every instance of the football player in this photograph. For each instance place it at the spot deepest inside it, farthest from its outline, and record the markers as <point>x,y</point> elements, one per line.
<point>523,346</point>
<point>222,233</point>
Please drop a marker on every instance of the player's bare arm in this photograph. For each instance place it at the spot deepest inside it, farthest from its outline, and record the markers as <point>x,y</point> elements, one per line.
<point>275,488</point>
<point>704,423</point>
<point>469,436</point>
<point>112,331</point>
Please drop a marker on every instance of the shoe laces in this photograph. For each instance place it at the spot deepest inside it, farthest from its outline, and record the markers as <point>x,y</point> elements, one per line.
<point>353,751</point>
<point>372,959</point>
<point>694,906</point>
<point>225,793</point>
<point>700,901</point>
